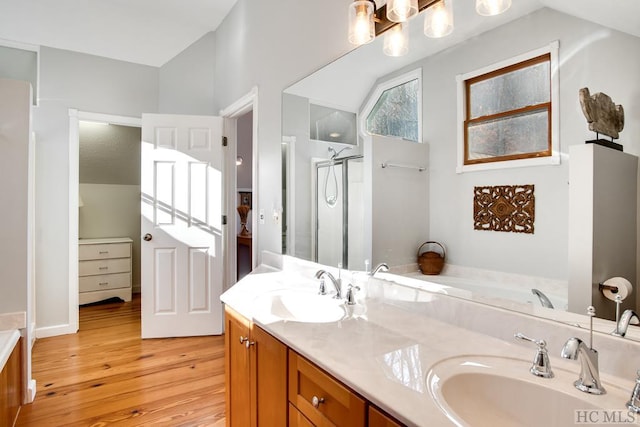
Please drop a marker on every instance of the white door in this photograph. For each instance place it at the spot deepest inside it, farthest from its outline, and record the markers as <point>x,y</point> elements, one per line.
<point>181,206</point>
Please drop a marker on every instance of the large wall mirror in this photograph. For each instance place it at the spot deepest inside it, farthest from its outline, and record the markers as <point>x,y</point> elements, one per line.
<point>438,198</point>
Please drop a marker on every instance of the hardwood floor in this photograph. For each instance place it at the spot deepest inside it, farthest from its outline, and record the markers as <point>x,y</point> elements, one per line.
<point>106,375</point>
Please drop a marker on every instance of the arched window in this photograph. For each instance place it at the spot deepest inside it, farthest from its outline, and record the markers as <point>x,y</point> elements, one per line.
<point>395,108</point>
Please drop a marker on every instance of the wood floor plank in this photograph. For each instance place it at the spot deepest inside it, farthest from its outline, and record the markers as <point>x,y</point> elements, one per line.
<point>106,375</point>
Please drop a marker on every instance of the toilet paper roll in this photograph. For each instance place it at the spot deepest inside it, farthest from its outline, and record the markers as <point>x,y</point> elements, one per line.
<point>623,285</point>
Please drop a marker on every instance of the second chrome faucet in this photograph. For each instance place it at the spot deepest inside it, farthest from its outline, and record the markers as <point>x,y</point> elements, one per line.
<point>575,348</point>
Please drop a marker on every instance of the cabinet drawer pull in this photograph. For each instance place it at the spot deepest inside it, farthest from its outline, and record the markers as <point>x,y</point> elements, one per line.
<point>103,268</point>
<point>103,283</point>
<point>316,401</point>
<point>103,252</point>
<point>248,343</point>
<point>243,339</point>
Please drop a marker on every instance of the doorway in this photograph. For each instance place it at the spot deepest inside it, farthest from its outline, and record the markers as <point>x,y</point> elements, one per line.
<point>244,183</point>
<point>240,119</point>
<point>109,212</point>
<point>75,117</point>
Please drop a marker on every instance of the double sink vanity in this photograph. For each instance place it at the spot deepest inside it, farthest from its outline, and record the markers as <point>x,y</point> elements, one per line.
<point>403,355</point>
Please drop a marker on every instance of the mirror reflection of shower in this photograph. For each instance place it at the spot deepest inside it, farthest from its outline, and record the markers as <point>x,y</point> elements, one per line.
<point>339,208</point>
<point>331,180</point>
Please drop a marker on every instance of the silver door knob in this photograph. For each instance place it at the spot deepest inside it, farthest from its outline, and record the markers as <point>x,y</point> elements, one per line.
<point>147,237</point>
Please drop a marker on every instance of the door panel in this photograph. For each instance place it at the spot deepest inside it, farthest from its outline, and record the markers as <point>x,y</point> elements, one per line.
<point>182,188</point>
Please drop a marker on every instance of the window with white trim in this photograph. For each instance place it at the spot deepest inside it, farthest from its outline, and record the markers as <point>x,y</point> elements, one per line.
<point>395,108</point>
<point>507,112</point>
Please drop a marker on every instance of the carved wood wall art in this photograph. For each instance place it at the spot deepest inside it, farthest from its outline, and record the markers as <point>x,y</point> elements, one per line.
<point>504,208</point>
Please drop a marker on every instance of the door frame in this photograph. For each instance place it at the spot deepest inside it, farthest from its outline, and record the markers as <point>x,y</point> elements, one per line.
<point>75,116</point>
<point>230,114</point>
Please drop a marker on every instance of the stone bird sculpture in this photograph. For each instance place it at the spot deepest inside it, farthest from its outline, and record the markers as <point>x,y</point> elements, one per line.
<point>602,114</point>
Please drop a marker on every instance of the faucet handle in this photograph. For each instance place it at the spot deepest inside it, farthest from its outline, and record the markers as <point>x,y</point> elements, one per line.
<point>634,402</point>
<point>322,290</point>
<point>541,366</point>
<point>351,299</point>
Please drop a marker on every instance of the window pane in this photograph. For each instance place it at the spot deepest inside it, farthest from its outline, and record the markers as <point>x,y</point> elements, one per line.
<point>396,112</point>
<point>332,125</point>
<point>521,134</point>
<point>510,91</point>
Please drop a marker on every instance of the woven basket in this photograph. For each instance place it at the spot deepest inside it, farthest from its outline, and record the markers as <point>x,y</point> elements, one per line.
<point>431,262</point>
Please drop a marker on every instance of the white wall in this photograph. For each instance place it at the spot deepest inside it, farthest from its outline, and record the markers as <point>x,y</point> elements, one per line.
<point>253,48</point>
<point>87,83</point>
<point>187,81</point>
<point>14,158</point>
<point>112,210</point>
<point>399,206</point>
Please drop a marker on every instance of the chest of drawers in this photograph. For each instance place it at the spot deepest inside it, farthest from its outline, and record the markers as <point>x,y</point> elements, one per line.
<point>104,269</point>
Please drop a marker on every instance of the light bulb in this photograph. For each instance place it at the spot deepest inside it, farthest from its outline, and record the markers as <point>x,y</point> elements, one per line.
<point>438,19</point>
<point>396,41</point>
<point>401,10</point>
<point>492,7</point>
<point>361,26</point>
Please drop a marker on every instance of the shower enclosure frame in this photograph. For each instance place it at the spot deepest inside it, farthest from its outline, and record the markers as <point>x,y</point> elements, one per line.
<point>344,162</point>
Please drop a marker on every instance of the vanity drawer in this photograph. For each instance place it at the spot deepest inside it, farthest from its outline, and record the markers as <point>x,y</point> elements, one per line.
<point>296,419</point>
<point>104,251</point>
<point>106,266</point>
<point>105,281</point>
<point>336,404</point>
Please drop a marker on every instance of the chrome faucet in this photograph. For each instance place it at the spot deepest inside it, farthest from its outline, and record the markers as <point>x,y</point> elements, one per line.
<point>542,297</point>
<point>336,284</point>
<point>624,322</point>
<point>382,266</point>
<point>589,380</point>
<point>634,402</point>
<point>575,348</point>
<point>541,367</point>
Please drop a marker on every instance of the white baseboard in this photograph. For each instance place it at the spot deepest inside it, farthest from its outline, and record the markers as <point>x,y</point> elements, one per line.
<point>30,392</point>
<point>53,331</point>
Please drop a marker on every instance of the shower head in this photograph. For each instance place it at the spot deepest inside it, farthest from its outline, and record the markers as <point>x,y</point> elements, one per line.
<point>336,153</point>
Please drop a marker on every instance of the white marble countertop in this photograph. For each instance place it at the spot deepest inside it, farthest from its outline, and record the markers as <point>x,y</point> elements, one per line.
<point>384,349</point>
<point>8,340</point>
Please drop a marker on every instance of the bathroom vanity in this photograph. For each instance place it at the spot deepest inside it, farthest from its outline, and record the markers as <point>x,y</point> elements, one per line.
<point>10,376</point>
<point>400,356</point>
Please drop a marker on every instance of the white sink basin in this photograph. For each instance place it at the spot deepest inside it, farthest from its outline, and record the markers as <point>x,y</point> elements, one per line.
<point>299,306</point>
<point>499,391</point>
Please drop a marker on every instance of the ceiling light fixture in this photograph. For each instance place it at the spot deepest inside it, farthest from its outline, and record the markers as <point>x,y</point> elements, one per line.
<point>396,41</point>
<point>366,22</point>
<point>492,7</point>
<point>401,10</point>
<point>361,27</point>
<point>438,19</point>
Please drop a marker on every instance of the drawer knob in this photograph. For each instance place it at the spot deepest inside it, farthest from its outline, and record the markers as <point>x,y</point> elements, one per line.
<point>316,401</point>
<point>243,339</point>
<point>147,237</point>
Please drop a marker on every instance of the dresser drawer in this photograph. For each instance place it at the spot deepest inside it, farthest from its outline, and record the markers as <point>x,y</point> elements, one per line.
<point>104,251</point>
<point>105,281</point>
<point>105,266</point>
<point>320,398</point>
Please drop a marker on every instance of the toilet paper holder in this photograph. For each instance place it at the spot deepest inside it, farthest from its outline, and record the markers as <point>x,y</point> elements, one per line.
<point>615,287</point>
<point>602,287</point>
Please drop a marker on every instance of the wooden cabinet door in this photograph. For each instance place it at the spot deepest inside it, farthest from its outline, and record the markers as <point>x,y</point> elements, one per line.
<point>379,419</point>
<point>238,370</point>
<point>269,380</point>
